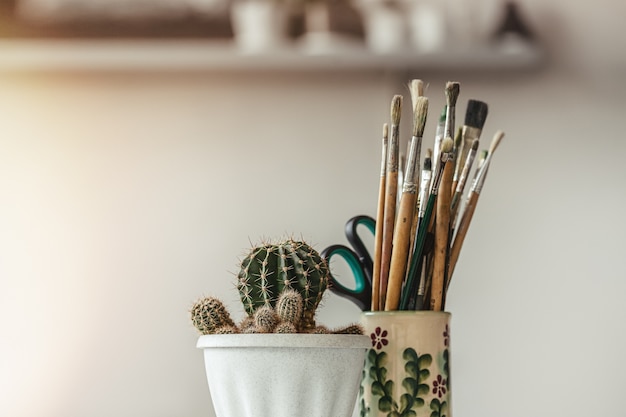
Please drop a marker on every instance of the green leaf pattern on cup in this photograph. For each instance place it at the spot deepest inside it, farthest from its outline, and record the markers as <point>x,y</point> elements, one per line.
<point>426,382</point>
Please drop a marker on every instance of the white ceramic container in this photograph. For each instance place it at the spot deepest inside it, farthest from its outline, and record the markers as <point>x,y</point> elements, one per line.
<point>407,370</point>
<point>284,375</point>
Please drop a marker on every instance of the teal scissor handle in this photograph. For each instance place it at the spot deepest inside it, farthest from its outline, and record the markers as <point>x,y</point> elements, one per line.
<point>359,261</point>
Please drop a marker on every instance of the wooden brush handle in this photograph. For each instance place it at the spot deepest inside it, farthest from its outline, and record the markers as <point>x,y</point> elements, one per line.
<point>400,253</point>
<point>378,245</point>
<point>464,224</point>
<point>442,238</point>
<point>391,195</point>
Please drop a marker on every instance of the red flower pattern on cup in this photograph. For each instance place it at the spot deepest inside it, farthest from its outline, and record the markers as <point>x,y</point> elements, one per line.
<point>379,338</point>
<point>446,336</point>
<point>439,386</point>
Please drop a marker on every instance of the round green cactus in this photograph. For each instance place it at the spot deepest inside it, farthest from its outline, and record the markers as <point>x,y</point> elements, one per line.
<point>270,269</point>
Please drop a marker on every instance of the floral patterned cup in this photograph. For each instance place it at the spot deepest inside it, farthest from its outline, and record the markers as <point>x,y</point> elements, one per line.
<point>407,369</point>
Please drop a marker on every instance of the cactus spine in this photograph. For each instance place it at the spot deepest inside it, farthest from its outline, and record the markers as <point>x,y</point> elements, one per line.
<point>270,269</point>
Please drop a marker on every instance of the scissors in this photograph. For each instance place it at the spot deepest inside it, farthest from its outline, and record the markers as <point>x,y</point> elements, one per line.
<point>358,259</point>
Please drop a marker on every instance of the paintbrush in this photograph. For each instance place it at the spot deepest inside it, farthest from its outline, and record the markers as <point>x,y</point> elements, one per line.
<point>422,197</point>
<point>442,238</point>
<point>391,195</point>
<point>457,150</point>
<point>422,230</point>
<point>452,94</point>
<point>460,186</point>
<point>416,88</point>
<point>404,221</point>
<point>441,124</point>
<point>472,201</point>
<point>475,117</point>
<point>380,213</point>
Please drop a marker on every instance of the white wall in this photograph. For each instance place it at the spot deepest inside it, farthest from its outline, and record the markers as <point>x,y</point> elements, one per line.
<point>124,197</point>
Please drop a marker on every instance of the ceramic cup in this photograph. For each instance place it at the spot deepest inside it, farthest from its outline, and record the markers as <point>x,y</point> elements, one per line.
<point>407,368</point>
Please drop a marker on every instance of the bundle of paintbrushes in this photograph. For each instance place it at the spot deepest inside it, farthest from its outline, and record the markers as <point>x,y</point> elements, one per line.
<point>422,221</point>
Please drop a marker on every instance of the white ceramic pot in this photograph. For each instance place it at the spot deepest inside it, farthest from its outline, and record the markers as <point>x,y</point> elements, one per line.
<point>284,375</point>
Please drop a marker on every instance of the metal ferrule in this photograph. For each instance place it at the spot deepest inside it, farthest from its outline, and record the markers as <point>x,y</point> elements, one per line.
<point>392,150</point>
<point>469,161</point>
<point>423,193</point>
<point>445,158</point>
<point>383,159</point>
<point>448,131</point>
<point>468,133</point>
<point>412,166</point>
<point>479,181</point>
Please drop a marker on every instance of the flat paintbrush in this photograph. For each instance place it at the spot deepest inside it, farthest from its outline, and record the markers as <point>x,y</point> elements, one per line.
<point>380,213</point>
<point>475,117</point>
<point>422,229</point>
<point>470,206</point>
<point>404,220</point>
<point>391,196</point>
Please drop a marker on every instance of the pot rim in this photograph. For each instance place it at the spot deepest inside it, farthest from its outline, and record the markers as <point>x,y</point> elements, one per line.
<point>274,340</point>
<point>406,313</point>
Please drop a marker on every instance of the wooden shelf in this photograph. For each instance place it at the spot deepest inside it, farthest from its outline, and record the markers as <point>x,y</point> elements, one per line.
<point>189,55</point>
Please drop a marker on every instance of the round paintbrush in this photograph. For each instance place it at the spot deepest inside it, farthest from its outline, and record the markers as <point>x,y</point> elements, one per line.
<point>472,201</point>
<point>404,220</point>
<point>380,214</point>
<point>391,196</point>
<point>442,238</point>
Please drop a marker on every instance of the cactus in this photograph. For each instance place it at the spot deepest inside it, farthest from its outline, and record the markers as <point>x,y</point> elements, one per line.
<point>289,307</point>
<point>270,269</point>
<point>266,319</point>
<point>320,330</point>
<point>209,314</point>
<point>351,329</point>
<point>285,327</point>
<point>227,330</point>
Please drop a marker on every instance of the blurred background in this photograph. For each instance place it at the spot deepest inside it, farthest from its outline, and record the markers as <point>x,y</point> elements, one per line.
<point>144,146</point>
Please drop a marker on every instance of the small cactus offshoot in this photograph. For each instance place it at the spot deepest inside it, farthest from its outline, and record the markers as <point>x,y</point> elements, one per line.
<point>266,319</point>
<point>209,314</point>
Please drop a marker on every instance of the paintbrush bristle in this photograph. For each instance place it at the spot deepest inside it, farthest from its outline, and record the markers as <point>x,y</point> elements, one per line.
<point>396,110</point>
<point>452,92</point>
<point>495,142</point>
<point>419,116</point>
<point>385,130</point>
<point>476,113</point>
<point>416,88</point>
<point>447,145</point>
